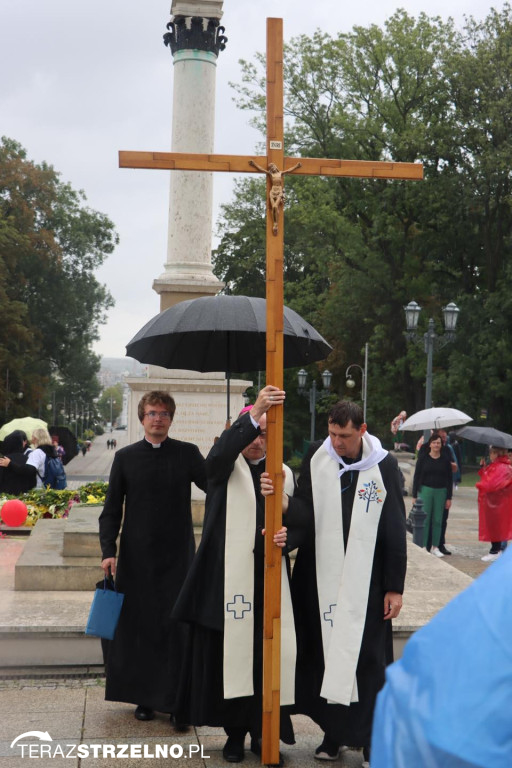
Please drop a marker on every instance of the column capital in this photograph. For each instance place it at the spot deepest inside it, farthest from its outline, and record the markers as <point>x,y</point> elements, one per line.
<point>208,8</point>
<point>195,33</point>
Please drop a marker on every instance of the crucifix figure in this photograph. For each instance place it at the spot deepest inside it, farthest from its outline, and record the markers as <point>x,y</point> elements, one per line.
<point>276,195</point>
<point>270,164</point>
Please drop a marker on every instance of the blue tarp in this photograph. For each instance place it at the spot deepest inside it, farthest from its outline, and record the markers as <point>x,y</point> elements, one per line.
<point>447,703</point>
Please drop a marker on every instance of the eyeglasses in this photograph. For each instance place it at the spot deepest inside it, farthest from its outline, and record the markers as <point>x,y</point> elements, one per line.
<point>158,414</point>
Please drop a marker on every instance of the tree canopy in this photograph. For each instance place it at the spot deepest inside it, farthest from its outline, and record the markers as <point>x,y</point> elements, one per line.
<point>357,251</point>
<point>51,243</point>
<point>110,404</point>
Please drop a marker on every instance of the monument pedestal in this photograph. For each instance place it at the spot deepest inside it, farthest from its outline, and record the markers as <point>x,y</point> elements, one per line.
<point>200,403</point>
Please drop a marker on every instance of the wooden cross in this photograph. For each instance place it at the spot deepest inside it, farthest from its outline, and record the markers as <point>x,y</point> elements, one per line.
<point>275,165</point>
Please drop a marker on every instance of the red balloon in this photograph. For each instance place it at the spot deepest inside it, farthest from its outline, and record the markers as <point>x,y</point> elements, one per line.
<point>14,512</point>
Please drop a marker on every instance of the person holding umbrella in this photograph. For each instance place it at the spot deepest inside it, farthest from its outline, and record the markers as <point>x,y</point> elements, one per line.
<point>495,501</point>
<point>433,483</point>
<point>222,597</point>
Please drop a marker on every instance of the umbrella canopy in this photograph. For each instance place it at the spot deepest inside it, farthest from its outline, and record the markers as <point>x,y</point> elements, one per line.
<point>27,424</point>
<point>68,441</point>
<point>435,418</point>
<point>486,435</point>
<point>222,333</point>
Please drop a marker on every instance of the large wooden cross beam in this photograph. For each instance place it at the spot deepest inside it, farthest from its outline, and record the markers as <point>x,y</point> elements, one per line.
<point>274,164</point>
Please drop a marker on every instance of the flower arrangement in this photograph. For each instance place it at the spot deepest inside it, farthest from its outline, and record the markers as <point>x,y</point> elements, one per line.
<point>48,503</point>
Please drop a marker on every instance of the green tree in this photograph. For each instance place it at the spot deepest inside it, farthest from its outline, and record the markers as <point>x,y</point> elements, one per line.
<point>50,246</point>
<point>110,403</point>
<point>357,251</point>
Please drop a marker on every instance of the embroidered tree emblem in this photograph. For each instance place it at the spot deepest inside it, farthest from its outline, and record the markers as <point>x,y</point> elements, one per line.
<point>370,493</point>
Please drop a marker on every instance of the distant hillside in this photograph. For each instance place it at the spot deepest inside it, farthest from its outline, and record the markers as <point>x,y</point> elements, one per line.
<point>118,365</point>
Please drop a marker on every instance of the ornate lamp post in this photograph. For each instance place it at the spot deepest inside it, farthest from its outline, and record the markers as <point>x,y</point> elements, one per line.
<point>364,379</point>
<point>54,408</point>
<point>313,393</point>
<point>430,340</point>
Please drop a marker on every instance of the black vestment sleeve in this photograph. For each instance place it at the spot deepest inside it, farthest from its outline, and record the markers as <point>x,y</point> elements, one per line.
<point>391,535</point>
<point>222,456</point>
<point>112,514</point>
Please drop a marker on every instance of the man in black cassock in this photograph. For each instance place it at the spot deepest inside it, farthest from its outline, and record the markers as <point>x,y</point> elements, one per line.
<point>152,479</point>
<point>347,583</point>
<point>224,676</point>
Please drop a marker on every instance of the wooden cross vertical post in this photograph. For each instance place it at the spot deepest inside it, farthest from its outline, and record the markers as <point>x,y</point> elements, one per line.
<point>274,460</point>
<point>274,164</point>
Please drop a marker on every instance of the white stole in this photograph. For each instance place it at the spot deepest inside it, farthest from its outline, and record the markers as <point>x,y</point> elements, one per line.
<point>239,591</point>
<point>343,578</point>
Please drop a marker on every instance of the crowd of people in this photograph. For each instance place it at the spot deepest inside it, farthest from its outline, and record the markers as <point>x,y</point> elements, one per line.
<point>24,466</point>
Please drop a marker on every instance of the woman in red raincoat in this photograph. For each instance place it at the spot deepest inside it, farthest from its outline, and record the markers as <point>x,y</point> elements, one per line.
<point>495,501</point>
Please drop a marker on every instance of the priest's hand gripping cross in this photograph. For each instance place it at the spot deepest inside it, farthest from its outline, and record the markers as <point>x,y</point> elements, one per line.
<point>270,165</point>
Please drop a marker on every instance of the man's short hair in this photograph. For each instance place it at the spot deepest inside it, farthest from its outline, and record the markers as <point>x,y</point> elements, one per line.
<point>344,411</point>
<point>156,397</point>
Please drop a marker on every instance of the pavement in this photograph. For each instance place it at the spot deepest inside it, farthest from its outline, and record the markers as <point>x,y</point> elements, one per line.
<point>96,463</point>
<point>73,712</point>
<point>64,708</point>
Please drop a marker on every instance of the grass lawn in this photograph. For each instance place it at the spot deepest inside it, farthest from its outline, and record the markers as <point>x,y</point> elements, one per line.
<point>469,478</point>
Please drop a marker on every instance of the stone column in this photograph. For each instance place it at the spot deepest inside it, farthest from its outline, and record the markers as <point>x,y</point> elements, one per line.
<point>195,40</point>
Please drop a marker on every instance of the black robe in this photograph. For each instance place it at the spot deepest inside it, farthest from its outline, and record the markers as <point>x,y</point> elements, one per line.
<point>18,477</point>
<point>201,602</point>
<point>144,660</point>
<point>349,725</point>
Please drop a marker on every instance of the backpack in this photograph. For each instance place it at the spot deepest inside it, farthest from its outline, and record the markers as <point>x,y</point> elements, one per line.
<point>54,474</point>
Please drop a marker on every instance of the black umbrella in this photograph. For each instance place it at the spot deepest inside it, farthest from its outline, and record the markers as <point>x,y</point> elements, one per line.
<point>222,333</point>
<point>487,435</point>
<point>68,441</point>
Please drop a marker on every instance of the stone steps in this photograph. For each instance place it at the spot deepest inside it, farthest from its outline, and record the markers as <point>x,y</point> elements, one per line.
<point>65,554</point>
<point>42,621</point>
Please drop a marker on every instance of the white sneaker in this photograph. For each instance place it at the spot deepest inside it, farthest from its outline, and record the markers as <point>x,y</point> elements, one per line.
<point>490,557</point>
<point>365,764</point>
<point>437,552</point>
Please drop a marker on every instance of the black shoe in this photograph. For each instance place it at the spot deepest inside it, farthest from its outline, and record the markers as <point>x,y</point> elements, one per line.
<point>144,713</point>
<point>178,725</point>
<point>327,750</point>
<point>233,751</point>
<point>443,549</point>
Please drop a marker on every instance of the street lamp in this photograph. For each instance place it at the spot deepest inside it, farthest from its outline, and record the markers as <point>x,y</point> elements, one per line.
<point>53,407</point>
<point>112,402</point>
<point>10,396</point>
<point>364,379</point>
<point>314,395</point>
<point>430,340</point>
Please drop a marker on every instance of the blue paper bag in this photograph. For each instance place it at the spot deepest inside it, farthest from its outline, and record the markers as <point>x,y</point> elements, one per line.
<point>105,610</point>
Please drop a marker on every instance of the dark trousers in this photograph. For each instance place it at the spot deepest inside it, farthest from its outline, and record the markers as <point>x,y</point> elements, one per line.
<point>443,528</point>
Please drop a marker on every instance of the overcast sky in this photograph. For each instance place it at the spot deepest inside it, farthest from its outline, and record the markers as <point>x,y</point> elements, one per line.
<point>82,80</point>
